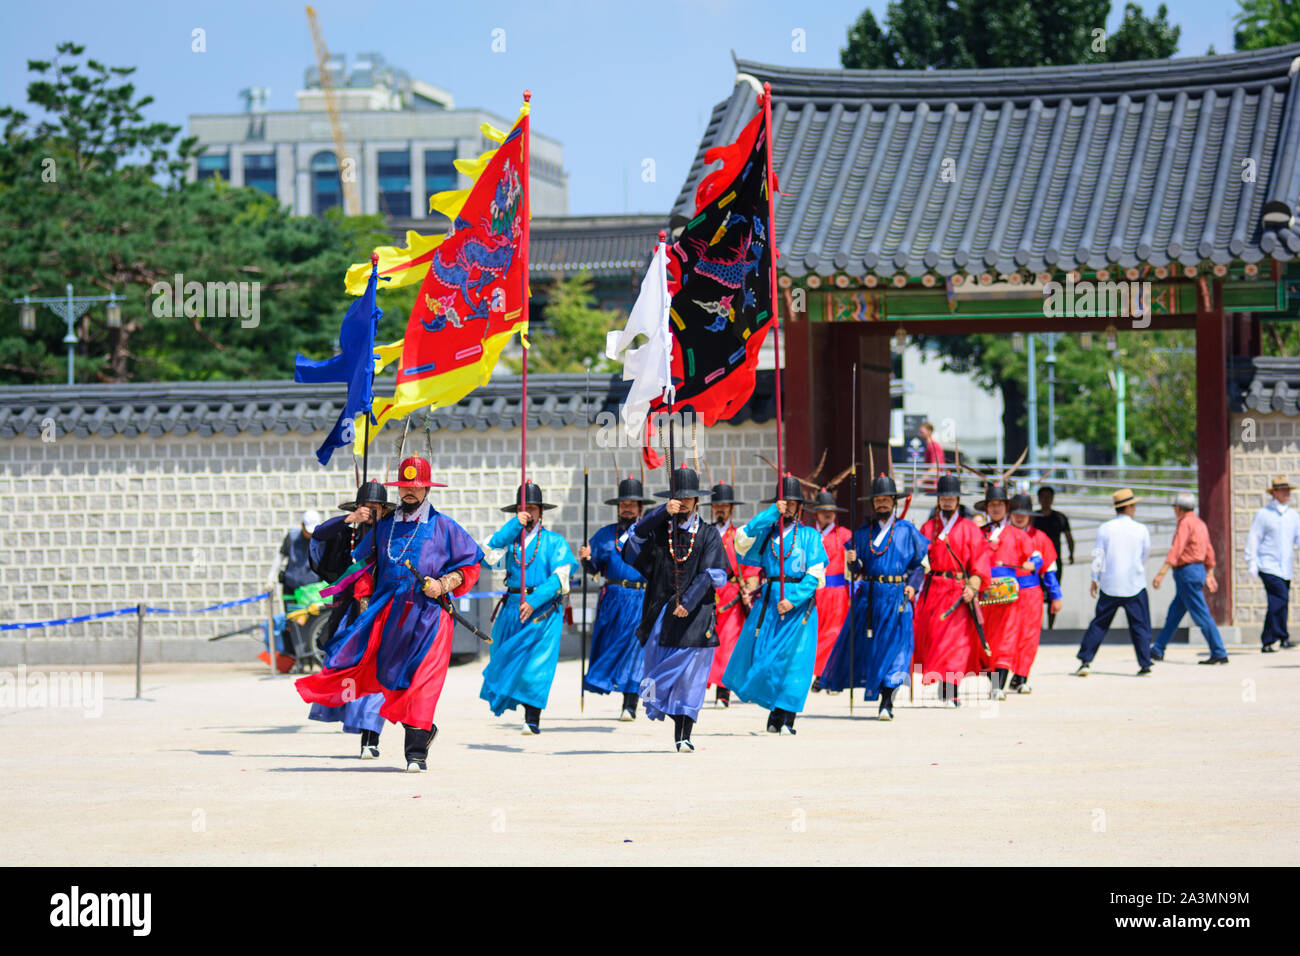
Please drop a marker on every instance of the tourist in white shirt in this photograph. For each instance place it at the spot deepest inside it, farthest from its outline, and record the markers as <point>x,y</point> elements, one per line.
<point>1270,547</point>
<point>1119,572</point>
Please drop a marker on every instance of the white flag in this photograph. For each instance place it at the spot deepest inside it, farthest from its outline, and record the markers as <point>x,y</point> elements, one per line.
<point>646,367</point>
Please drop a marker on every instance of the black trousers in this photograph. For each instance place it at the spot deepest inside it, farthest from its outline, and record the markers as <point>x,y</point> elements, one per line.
<point>1138,612</point>
<point>1279,592</point>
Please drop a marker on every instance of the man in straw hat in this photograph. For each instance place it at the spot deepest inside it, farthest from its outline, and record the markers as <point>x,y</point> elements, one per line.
<point>833,599</point>
<point>886,560</point>
<point>616,656</point>
<point>1033,588</point>
<point>1013,556</point>
<point>332,544</point>
<point>682,559</point>
<point>735,597</point>
<point>527,627</point>
<point>1191,556</point>
<point>772,664</point>
<point>400,645</point>
<point>1270,551</point>
<point>1119,574</point>
<point>949,623</point>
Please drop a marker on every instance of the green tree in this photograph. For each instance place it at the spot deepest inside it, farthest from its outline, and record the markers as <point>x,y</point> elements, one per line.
<point>92,194</point>
<point>1265,23</point>
<point>966,34</point>
<point>573,330</point>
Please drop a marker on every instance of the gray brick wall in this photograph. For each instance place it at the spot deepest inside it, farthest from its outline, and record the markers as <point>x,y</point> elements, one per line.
<point>1262,446</point>
<point>99,523</point>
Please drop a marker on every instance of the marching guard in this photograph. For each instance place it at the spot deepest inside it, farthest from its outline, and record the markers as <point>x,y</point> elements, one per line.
<point>950,639</point>
<point>616,654</point>
<point>833,599</point>
<point>733,598</point>
<point>683,561</point>
<point>886,560</point>
<point>1029,605</point>
<point>401,645</point>
<point>527,626</point>
<point>1013,557</point>
<point>772,664</point>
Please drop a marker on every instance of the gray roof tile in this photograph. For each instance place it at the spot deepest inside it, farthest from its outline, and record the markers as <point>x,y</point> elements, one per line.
<point>1044,169</point>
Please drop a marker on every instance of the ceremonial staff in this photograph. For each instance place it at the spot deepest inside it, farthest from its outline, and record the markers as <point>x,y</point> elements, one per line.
<point>586,490</point>
<point>853,519</point>
<point>523,401</point>
<point>770,184</point>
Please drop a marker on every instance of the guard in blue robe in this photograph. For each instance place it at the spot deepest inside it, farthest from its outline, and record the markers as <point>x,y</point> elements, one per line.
<point>772,664</point>
<point>400,646</point>
<point>616,654</point>
<point>888,572</point>
<point>524,653</point>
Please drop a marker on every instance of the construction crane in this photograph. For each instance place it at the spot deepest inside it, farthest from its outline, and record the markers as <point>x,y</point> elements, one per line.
<point>351,198</point>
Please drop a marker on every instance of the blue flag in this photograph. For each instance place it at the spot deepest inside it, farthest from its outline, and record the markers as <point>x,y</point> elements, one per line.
<point>354,365</point>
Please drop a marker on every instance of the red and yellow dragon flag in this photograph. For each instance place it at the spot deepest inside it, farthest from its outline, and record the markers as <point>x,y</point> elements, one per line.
<point>471,299</point>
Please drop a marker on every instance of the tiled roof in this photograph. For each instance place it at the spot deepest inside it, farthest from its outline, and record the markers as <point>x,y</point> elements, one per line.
<point>602,246</point>
<point>1264,385</point>
<point>231,408</point>
<point>1045,169</point>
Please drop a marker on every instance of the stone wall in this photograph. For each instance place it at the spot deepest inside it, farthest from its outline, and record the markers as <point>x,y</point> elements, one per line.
<point>1263,445</point>
<point>98,523</point>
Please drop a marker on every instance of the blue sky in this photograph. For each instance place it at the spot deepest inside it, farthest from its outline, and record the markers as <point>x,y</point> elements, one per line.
<point>616,82</point>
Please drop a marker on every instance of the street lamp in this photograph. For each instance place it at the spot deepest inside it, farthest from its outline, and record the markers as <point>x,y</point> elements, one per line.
<point>69,307</point>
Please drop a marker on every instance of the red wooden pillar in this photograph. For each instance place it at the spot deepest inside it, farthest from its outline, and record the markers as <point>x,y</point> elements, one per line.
<point>1212,439</point>
<point>797,386</point>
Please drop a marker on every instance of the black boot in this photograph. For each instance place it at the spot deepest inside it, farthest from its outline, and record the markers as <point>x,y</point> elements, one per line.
<point>788,716</point>
<point>677,730</point>
<point>723,696</point>
<point>369,744</point>
<point>532,720</point>
<point>948,693</point>
<point>816,684</point>
<point>684,744</point>
<point>774,722</point>
<point>629,707</point>
<point>417,746</point>
<point>886,704</point>
<point>998,679</point>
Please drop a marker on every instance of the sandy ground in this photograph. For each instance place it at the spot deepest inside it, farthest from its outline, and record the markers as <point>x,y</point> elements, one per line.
<point>218,765</point>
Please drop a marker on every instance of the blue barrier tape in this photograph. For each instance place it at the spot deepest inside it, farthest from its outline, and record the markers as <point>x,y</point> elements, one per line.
<point>29,625</point>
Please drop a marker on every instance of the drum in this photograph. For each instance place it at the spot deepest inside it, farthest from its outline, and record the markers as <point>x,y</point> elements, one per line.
<point>1000,591</point>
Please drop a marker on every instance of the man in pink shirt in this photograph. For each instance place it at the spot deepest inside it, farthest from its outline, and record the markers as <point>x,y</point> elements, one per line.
<point>934,456</point>
<point>1191,556</point>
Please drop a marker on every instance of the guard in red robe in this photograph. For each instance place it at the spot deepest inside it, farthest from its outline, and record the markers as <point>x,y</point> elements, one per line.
<point>733,598</point>
<point>1035,588</point>
<point>832,600</point>
<point>1013,555</point>
<point>948,645</point>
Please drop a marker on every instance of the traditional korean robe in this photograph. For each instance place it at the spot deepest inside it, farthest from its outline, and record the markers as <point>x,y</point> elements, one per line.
<point>833,599</point>
<point>947,650</point>
<point>1029,607</point>
<point>884,659</point>
<point>731,610</point>
<point>523,656</point>
<point>616,655</point>
<point>1009,548</point>
<point>772,664</point>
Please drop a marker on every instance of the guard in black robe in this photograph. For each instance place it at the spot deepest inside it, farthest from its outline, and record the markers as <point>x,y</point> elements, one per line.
<point>682,559</point>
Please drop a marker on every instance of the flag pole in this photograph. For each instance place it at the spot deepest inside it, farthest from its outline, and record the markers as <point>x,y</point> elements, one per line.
<point>766,100</point>
<point>671,393</point>
<point>853,523</point>
<point>586,487</point>
<point>523,338</point>
<point>365,452</point>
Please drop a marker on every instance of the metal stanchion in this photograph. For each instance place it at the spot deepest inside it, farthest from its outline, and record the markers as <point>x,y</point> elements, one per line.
<point>139,645</point>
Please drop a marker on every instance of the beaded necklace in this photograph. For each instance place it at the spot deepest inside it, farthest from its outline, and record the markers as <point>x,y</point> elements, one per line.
<point>672,533</point>
<point>388,545</point>
<point>778,538</point>
<point>537,544</point>
<point>871,546</point>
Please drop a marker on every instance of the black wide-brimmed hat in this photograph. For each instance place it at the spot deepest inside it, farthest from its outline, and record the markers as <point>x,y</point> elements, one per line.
<point>629,489</point>
<point>532,496</point>
<point>723,494</point>
<point>992,492</point>
<point>1022,505</point>
<point>683,483</point>
<point>791,490</point>
<point>883,486</point>
<point>370,493</point>
<point>948,485</point>
<point>824,501</point>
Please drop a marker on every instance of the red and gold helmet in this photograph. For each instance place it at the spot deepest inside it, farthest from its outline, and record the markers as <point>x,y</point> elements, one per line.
<point>414,472</point>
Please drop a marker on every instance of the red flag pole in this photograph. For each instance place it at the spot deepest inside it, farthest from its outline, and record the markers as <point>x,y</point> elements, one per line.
<point>776,326</point>
<point>523,401</point>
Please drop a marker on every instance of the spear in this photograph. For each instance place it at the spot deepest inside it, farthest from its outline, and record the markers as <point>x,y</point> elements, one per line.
<point>853,520</point>
<point>586,489</point>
